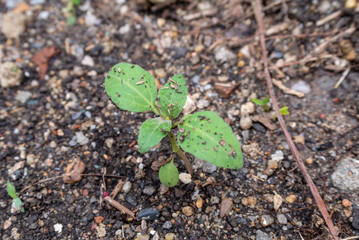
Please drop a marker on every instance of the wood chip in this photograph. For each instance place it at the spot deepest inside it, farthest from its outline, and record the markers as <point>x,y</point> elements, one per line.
<point>264,119</point>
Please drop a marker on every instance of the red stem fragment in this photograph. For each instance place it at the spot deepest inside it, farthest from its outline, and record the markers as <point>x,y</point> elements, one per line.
<point>320,203</point>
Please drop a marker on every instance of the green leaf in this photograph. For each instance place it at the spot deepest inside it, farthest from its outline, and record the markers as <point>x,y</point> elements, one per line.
<point>284,111</point>
<point>173,96</point>
<point>151,132</point>
<point>11,190</point>
<point>266,100</point>
<point>131,87</point>
<point>257,101</point>
<point>76,2</point>
<point>168,174</point>
<point>71,20</point>
<point>17,202</point>
<point>208,137</point>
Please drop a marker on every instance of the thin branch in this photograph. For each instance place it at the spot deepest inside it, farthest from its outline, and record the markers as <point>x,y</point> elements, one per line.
<point>65,175</point>
<point>320,203</point>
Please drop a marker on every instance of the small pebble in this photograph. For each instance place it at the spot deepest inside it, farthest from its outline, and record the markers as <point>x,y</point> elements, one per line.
<point>208,167</point>
<point>266,220</point>
<point>245,123</point>
<point>247,108</point>
<point>167,225</point>
<point>202,103</point>
<point>160,73</point>
<point>346,203</point>
<point>126,187</point>
<point>188,211</point>
<point>282,219</point>
<point>149,214</point>
<point>170,236</point>
<point>309,161</point>
<point>199,48</point>
<point>98,219</point>
<point>185,178</point>
<point>88,61</point>
<point>149,190</point>
<point>58,227</point>
<point>291,198</point>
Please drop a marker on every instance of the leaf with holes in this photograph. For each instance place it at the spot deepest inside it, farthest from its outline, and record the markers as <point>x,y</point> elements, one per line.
<point>151,132</point>
<point>131,88</point>
<point>208,137</point>
<point>173,96</point>
<point>168,174</point>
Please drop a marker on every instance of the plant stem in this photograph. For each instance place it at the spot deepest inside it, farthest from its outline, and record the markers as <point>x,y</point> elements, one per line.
<point>181,154</point>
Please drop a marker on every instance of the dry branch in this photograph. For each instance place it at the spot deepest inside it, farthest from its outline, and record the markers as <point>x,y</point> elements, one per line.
<point>320,203</point>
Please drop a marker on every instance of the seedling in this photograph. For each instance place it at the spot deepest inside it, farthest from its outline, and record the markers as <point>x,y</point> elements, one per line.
<point>203,134</point>
<point>16,201</point>
<point>264,103</point>
<point>70,11</point>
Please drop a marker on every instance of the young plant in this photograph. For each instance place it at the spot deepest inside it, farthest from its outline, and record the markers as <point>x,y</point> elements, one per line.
<point>16,201</point>
<point>203,134</point>
<point>262,103</point>
<point>70,11</point>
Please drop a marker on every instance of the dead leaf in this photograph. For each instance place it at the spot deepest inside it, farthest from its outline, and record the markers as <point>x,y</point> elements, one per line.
<point>265,119</point>
<point>226,207</point>
<point>42,58</point>
<point>159,163</point>
<point>278,200</point>
<point>225,89</point>
<point>73,172</point>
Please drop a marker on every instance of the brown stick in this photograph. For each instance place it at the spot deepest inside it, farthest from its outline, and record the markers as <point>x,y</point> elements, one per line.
<point>320,203</point>
<point>117,189</point>
<point>119,206</point>
<point>64,175</point>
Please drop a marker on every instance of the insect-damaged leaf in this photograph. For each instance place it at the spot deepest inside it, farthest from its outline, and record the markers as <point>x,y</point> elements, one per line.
<point>151,132</point>
<point>208,137</point>
<point>131,87</point>
<point>168,174</point>
<point>173,96</point>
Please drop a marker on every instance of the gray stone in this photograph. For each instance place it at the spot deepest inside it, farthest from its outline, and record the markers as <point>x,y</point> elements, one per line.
<point>223,54</point>
<point>346,175</point>
<point>262,235</point>
<point>167,225</point>
<point>23,96</point>
<point>301,86</point>
<point>10,4</point>
<point>149,190</point>
<point>282,219</point>
<point>81,138</point>
<point>91,19</point>
<point>203,103</point>
<point>37,2</point>
<point>13,24</point>
<point>10,75</point>
<point>208,167</point>
<point>149,214</point>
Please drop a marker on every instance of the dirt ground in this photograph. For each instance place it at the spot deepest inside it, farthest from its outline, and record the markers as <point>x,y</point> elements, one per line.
<point>54,111</point>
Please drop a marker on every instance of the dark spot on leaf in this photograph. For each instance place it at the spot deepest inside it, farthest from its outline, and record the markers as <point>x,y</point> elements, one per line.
<point>222,142</point>
<point>204,142</point>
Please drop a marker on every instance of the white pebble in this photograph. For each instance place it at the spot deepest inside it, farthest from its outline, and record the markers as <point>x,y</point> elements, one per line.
<point>245,123</point>
<point>185,178</point>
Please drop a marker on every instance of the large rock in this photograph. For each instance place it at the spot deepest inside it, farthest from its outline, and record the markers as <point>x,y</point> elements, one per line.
<point>346,175</point>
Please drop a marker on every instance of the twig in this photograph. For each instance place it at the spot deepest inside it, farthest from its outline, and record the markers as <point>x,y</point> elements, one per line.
<point>65,175</point>
<point>117,188</point>
<point>341,79</point>
<point>281,86</point>
<point>350,238</point>
<point>320,203</point>
<point>119,206</point>
<point>329,18</point>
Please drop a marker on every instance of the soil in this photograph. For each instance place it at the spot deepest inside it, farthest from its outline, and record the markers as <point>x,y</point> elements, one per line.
<point>67,117</point>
